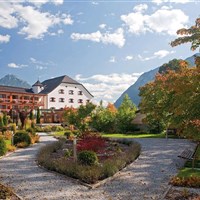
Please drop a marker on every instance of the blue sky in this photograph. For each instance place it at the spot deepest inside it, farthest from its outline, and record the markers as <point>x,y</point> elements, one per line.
<point>106,45</point>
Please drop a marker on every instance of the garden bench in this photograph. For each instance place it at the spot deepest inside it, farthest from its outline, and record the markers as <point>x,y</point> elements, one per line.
<point>188,154</point>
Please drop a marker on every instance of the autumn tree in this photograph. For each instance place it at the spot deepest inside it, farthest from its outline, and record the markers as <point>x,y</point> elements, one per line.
<point>80,117</point>
<point>104,118</point>
<point>173,99</point>
<point>172,65</point>
<point>191,35</point>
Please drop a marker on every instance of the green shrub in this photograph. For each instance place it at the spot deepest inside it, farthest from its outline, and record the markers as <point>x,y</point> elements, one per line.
<point>47,128</point>
<point>68,133</point>
<point>38,129</point>
<point>68,153</point>
<point>22,137</point>
<point>3,148</point>
<point>84,172</point>
<point>31,131</point>
<point>13,127</point>
<point>57,128</point>
<point>87,158</point>
<point>109,168</point>
<point>76,133</point>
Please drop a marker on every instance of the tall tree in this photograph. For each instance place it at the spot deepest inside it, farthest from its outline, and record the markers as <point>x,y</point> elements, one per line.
<point>174,65</point>
<point>104,119</point>
<point>125,114</point>
<point>173,99</point>
<point>191,35</point>
<point>38,116</point>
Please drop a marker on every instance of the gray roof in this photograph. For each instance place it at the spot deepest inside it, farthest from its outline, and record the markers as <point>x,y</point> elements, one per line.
<point>4,88</point>
<point>37,83</point>
<point>51,84</point>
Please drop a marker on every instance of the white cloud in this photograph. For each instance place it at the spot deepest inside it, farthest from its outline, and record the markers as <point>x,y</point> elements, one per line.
<point>102,26</point>
<point>4,38</point>
<point>60,31</point>
<point>156,55</point>
<point>6,19</point>
<point>67,19</point>
<point>39,67</point>
<point>38,23</point>
<point>158,2</point>
<point>112,59</point>
<point>108,87</point>
<point>95,3</point>
<point>33,23</point>
<point>95,37</point>
<point>42,2</point>
<point>163,53</point>
<point>140,8</point>
<point>14,65</point>
<point>116,38</point>
<point>129,58</point>
<point>164,21</point>
<point>40,64</point>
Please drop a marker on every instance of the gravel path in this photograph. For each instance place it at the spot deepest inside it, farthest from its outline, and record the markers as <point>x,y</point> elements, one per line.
<point>146,178</point>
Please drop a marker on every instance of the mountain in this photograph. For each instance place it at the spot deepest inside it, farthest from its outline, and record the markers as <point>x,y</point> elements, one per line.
<point>12,80</point>
<point>133,90</point>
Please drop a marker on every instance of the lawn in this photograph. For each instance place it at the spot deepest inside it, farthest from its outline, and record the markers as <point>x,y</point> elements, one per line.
<point>187,176</point>
<point>188,172</point>
<point>120,135</point>
<point>134,135</point>
<point>58,133</point>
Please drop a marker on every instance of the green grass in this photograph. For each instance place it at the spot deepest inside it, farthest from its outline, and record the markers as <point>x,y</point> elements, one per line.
<point>197,154</point>
<point>120,135</point>
<point>58,133</point>
<point>135,135</point>
<point>8,142</point>
<point>188,172</point>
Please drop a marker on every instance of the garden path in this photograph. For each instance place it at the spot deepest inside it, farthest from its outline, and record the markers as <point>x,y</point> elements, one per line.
<point>146,178</point>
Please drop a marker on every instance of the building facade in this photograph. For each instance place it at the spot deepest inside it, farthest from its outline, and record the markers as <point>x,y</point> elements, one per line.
<point>55,93</point>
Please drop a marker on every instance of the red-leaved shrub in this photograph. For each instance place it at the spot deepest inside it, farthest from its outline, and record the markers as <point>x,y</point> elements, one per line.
<point>92,142</point>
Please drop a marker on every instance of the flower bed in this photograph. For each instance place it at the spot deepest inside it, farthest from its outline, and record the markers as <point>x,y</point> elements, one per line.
<point>112,157</point>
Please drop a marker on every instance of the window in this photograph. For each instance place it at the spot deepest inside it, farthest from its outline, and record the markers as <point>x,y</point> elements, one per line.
<point>52,99</point>
<point>61,100</point>
<point>71,100</point>
<point>88,101</point>
<point>80,93</point>
<point>80,101</point>
<point>61,91</point>
<point>71,92</point>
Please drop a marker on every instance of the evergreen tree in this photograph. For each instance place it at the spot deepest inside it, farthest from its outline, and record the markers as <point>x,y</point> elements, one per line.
<point>1,122</point>
<point>38,116</point>
<point>5,119</point>
<point>125,114</point>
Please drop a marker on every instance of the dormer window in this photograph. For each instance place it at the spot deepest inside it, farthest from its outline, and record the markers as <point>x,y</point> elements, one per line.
<point>52,99</point>
<point>71,92</point>
<point>61,91</point>
<point>80,93</point>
